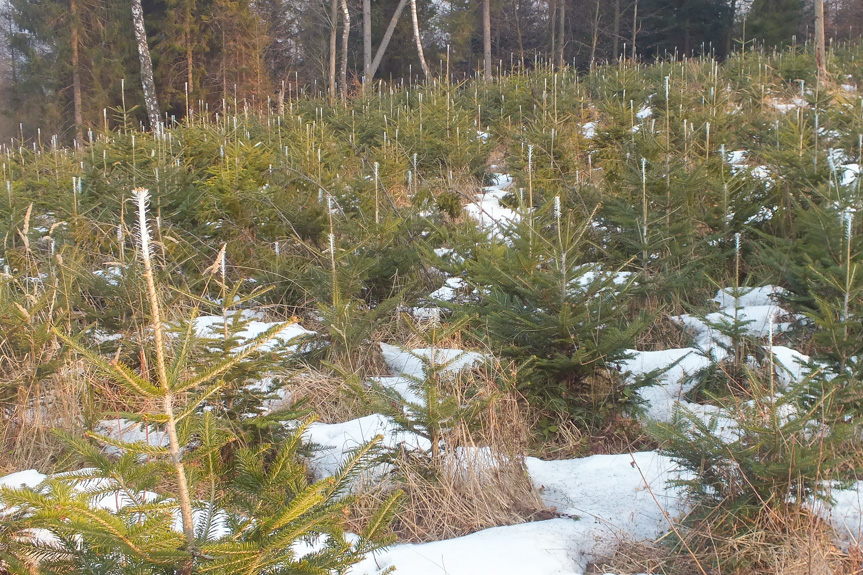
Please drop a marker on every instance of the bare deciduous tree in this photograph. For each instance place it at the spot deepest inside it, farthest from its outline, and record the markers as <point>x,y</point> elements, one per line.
<point>486,37</point>
<point>367,41</point>
<point>820,49</point>
<point>385,41</point>
<point>147,83</point>
<point>334,25</point>
<point>346,31</point>
<point>418,39</point>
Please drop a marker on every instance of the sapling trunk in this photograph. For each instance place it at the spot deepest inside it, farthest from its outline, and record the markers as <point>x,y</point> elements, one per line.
<point>563,275</point>
<point>737,347</point>
<point>332,240</point>
<point>377,202</point>
<point>141,197</point>
<point>644,215</point>
<point>667,153</point>
<point>529,212</point>
<point>849,220</point>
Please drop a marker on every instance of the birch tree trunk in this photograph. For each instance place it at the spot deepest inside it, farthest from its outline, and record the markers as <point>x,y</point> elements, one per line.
<point>346,31</point>
<point>418,40</point>
<point>76,73</point>
<point>367,41</point>
<point>486,37</point>
<point>334,20</point>
<point>634,28</point>
<point>385,41</point>
<point>616,43</point>
<point>147,83</point>
<point>820,48</point>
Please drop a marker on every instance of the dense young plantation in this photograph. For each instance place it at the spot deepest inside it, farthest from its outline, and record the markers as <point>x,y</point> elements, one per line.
<point>545,323</point>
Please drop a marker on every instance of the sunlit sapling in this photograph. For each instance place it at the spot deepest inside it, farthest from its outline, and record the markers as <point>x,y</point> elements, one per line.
<point>775,458</point>
<point>251,387</point>
<point>839,324</point>
<point>349,319</point>
<point>440,399</point>
<point>179,393</point>
<point>739,350</point>
<point>541,304</point>
<point>107,518</point>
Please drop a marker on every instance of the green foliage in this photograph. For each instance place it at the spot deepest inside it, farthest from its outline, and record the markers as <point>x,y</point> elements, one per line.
<point>686,26</point>
<point>444,399</point>
<point>253,501</point>
<point>262,512</point>
<point>774,22</point>
<point>777,452</point>
<point>559,317</point>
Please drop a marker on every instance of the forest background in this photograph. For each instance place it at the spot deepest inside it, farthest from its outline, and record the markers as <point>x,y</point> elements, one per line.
<point>67,66</point>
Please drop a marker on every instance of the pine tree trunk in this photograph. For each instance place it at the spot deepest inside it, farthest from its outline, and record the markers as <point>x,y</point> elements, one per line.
<point>334,20</point>
<point>147,83</point>
<point>386,39</point>
<point>820,48</point>
<point>12,56</point>
<point>425,67</point>
<point>346,31</point>
<point>76,73</point>
<point>367,41</point>
<point>486,37</point>
<point>224,75</point>
<point>729,37</point>
<point>616,43</point>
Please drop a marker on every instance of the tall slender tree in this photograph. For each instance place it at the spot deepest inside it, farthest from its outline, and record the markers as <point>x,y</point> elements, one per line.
<point>385,42</point>
<point>486,37</point>
<point>561,42</point>
<point>147,82</point>
<point>74,24</point>
<point>418,39</point>
<point>346,31</point>
<point>334,23</point>
<point>820,48</point>
<point>367,42</point>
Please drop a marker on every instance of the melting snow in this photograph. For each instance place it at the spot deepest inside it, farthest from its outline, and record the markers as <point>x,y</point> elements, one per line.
<point>336,440</point>
<point>412,363</point>
<point>212,326</point>
<point>488,211</point>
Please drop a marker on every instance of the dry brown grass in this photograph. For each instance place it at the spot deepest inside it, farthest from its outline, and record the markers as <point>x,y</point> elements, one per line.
<point>329,395</point>
<point>793,542</point>
<point>478,480</point>
<point>461,492</point>
<point>55,402</point>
